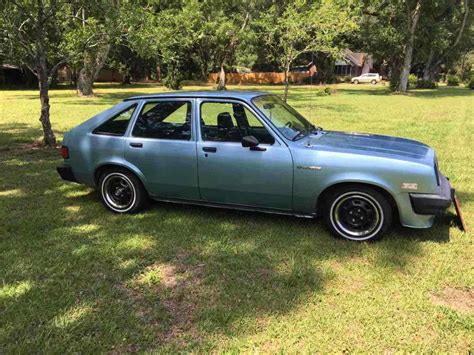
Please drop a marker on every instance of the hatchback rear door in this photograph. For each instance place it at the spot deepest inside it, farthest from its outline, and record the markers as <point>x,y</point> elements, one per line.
<point>162,146</point>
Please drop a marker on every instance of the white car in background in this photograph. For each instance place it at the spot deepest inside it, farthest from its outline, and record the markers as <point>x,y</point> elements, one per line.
<point>372,78</point>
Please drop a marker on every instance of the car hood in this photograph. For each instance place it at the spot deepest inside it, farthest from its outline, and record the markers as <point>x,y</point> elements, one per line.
<point>371,144</point>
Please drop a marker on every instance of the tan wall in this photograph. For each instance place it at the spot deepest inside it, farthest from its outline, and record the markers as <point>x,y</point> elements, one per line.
<point>108,75</point>
<point>105,75</point>
<point>259,78</point>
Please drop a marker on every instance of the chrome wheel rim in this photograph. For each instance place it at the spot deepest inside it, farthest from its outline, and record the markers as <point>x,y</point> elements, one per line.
<point>356,216</point>
<point>118,192</point>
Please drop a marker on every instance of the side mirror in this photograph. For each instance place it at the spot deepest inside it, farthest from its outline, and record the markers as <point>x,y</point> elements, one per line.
<point>252,143</point>
<point>249,142</point>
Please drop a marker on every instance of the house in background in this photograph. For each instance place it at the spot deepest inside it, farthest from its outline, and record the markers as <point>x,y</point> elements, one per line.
<point>106,74</point>
<point>353,64</point>
<point>14,75</point>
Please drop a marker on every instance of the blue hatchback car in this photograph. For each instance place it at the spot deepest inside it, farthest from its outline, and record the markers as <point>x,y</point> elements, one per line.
<point>252,151</point>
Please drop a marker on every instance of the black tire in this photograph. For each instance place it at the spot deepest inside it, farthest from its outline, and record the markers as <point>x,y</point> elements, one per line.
<point>356,82</point>
<point>122,192</point>
<point>374,82</point>
<point>358,213</point>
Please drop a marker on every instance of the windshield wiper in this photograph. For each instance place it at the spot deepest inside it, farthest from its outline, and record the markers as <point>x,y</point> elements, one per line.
<point>316,128</point>
<point>300,134</point>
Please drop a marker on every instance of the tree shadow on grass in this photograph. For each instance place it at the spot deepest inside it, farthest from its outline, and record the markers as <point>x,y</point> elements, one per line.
<point>13,133</point>
<point>76,276</point>
<point>442,92</point>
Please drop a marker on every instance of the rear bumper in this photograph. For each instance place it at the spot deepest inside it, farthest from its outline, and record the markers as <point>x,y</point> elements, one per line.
<point>66,173</point>
<point>433,204</point>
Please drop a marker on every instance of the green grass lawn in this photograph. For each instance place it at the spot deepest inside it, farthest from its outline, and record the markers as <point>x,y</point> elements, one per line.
<point>76,278</point>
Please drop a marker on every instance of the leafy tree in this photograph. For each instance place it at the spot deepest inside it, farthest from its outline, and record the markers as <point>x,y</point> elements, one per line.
<point>227,34</point>
<point>38,34</point>
<point>303,26</point>
<point>100,19</point>
<point>445,35</point>
<point>403,32</point>
<point>165,34</point>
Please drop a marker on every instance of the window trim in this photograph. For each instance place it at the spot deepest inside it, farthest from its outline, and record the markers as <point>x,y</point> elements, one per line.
<point>165,99</point>
<point>202,101</point>
<point>134,106</point>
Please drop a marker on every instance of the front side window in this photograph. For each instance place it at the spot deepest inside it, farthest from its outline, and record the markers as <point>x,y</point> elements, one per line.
<point>164,120</point>
<point>285,118</point>
<point>117,125</point>
<point>230,122</point>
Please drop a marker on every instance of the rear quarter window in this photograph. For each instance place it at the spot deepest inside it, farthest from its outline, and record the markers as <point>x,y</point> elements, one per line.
<point>118,124</point>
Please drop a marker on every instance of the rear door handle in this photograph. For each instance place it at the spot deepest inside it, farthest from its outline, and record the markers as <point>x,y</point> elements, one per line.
<point>209,149</point>
<point>136,145</point>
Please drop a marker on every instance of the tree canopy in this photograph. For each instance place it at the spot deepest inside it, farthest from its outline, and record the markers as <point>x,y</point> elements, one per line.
<point>189,39</point>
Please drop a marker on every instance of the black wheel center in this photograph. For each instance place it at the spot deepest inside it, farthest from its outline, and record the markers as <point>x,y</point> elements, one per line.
<point>120,191</point>
<point>356,214</point>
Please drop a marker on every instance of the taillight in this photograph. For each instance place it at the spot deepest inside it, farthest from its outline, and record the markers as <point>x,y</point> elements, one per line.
<point>65,152</point>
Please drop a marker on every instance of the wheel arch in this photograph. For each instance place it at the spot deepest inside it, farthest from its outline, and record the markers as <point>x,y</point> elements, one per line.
<point>109,166</point>
<point>333,187</point>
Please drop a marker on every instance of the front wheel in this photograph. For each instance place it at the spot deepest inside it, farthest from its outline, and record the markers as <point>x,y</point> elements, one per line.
<point>356,82</point>
<point>374,82</point>
<point>358,213</point>
<point>122,192</point>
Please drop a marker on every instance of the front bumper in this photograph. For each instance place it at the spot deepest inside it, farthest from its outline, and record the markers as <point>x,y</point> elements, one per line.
<point>66,173</point>
<point>433,204</point>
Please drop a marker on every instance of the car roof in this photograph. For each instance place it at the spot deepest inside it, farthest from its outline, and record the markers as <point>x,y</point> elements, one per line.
<point>222,94</point>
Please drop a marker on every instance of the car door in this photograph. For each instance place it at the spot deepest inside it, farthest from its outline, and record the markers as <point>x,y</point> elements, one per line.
<point>231,174</point>
<point>162,146</point>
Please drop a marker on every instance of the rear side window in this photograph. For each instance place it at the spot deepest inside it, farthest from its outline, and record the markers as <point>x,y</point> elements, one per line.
<point>117,125</point>
<point>164,120</point>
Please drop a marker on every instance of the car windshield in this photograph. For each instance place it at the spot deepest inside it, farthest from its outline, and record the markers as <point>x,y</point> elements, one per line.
<point>285,118</point>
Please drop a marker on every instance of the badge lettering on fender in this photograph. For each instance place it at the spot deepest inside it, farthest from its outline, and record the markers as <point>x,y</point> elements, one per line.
<point>409,186</point>
<point>310,167</point>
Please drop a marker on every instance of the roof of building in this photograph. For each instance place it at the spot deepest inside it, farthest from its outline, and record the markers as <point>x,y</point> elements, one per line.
<point>243,95</point>
<point>354,58</point>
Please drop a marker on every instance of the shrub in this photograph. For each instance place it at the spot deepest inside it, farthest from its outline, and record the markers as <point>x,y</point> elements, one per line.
<point>325,91</point>
<point>307,80</point>
<point>412,80</point>
<point>471,84</point>
<point>453,80</point>
<point>394,84</point>
<point>172,82</point>
<point>329,90</point>
<point>426,84</point>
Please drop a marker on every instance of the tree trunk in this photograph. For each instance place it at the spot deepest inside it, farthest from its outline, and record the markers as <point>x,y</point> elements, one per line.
<point>221,82</point>
<point>286,82</point>
<point>93,63</point>
<point>427,70</point>
<point>412,17</point>
<point>403,85</point>
<point>48,136</point>
<point>127,79</point>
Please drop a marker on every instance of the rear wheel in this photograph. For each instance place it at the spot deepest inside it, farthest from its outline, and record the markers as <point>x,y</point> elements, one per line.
<point>358,213</point>
<point>122,192</point>
<point>374,82</point>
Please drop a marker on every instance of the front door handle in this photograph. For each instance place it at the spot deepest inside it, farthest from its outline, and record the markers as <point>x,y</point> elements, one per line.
<point>209,149</point>
<point>136,145</point>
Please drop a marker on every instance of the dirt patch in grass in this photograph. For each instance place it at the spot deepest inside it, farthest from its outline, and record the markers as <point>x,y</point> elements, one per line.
<point>458,299</point>
<point>182,285</point>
